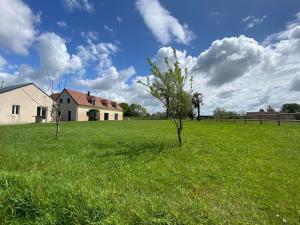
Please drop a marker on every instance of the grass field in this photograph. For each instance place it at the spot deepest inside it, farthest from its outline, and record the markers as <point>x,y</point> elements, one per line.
<point>133,172</point>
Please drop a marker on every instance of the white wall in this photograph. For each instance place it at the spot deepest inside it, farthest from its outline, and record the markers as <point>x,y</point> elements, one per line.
<point>65,106</point>
<point>29,98</point>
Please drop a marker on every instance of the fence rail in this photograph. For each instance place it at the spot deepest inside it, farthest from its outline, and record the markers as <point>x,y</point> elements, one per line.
<point>248,118</point>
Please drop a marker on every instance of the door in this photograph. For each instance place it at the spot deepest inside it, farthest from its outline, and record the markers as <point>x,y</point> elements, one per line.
<point>69,115</point>
<point>116,116</point>
<point>106,115</point>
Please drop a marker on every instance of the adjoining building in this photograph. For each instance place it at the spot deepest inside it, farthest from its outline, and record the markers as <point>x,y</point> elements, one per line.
<point>24,103</point>
<point>78,106</point>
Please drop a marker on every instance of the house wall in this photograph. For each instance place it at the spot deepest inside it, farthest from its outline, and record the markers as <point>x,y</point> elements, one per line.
<point>111,114</point>
<point>29,98</point>
<point>82,113</point>
<point>65,107</point>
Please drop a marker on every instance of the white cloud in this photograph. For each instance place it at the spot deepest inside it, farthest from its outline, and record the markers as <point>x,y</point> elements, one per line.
<point>109,29</point>
<point>162,24</point>
<point>110,79</point>
<point>54,55</point>
<point>228,59</point>
<point>119,19</point>
<point>99,53</point>
<point>55,61</point>
<point>17,26</point>
<point>62,24</point>
<point>92,35</point>
<point>85,5</point>
<point>252,21</point>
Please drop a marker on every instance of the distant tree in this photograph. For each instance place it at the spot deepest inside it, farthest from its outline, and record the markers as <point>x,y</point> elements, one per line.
<point>168,88</point>
<point>270,109</point>
<point>137,110</point>
<point>261,110</point>
<point>197,101</point>
<point>290,107</point>
<point>219,113</point>
<point>125,108</point>
<point>159,115</point>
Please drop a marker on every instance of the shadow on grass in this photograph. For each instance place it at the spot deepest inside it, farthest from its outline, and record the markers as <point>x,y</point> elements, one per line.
<point>132,150</point>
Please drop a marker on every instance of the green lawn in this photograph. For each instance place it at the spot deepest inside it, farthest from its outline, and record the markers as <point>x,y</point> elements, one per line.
<point>133,172</point>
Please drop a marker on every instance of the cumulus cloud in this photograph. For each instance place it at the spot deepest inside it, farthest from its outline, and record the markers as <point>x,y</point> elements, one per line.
<point>54,55</point>
<point>17,26</point>
<point>162,24</point>
<point>228,59</point>
<point>99,53</point>
<point>54,62</point>
<point>85,5</point>
<point>252,21</point>
<point>110,79</point>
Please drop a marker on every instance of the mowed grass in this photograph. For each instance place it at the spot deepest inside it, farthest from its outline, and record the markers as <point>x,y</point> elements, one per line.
<point>133,172</point>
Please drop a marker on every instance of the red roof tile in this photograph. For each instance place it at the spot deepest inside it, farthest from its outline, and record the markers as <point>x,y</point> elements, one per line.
<point>83,99</point>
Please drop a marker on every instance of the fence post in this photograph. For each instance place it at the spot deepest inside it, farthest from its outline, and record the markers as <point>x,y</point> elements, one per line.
<point>278,119</point>
<point>245,119</point>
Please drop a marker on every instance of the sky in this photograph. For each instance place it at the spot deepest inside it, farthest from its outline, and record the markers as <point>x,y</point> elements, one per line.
<point>243,55</point>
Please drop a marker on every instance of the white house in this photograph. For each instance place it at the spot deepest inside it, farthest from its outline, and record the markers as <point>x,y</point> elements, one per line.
<point>78,106</point>
<point>24,103</point>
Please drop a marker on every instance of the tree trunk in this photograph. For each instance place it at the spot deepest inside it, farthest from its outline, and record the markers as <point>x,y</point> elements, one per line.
<point>198,116</point>
<point>57,126</point>
<point>179,136</point>
<point>179,129</point>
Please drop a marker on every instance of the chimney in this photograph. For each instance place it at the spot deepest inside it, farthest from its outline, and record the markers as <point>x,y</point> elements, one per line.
<point>88,93</point>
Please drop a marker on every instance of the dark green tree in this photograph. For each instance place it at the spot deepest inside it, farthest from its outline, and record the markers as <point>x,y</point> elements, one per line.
<point>125,108</point>
<point>197,101</point>
<point>290,107</point>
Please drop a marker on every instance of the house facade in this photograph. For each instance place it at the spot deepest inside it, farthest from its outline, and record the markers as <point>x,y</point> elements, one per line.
<point>79,106</point>
<point>24,103</point>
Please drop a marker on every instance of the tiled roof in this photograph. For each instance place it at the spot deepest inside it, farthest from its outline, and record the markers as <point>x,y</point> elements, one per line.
<point>82,99</point>
<point>54,96</point>
<point>13,87</point>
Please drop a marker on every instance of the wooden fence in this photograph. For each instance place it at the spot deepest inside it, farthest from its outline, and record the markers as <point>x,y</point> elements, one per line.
<point>260,118</point>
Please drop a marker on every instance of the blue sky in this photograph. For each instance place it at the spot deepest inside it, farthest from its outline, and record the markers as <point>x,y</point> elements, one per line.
<point>102,46</point>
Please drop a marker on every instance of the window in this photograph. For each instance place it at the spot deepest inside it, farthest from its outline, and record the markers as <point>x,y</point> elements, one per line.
<point>68,100</point>
<point>61,100</point>
<point>41,112</point>
<point>15,109</point>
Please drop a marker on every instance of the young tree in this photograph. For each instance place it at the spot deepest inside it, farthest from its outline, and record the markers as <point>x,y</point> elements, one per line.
<point>197,101</point>
<point>55,110</point>
<point>168,88</point>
